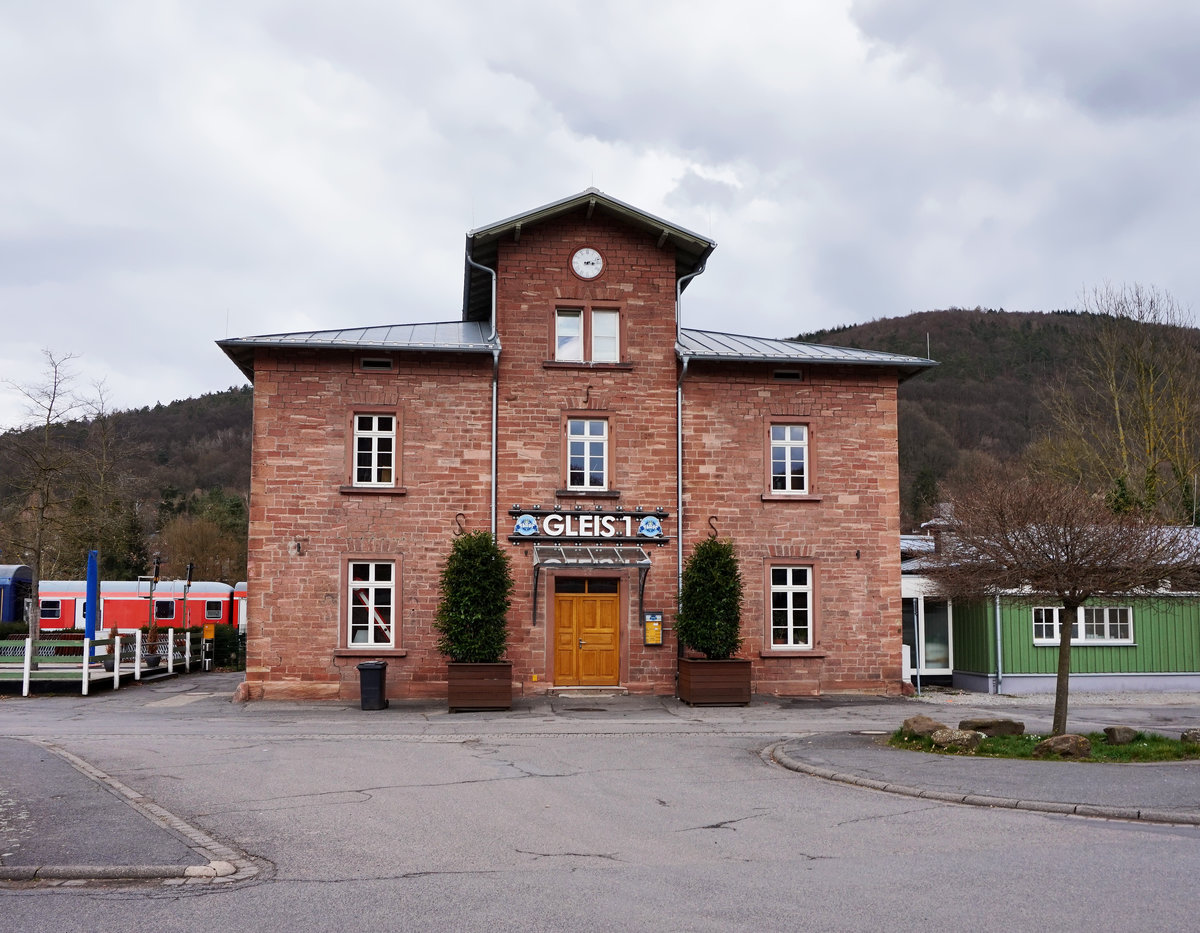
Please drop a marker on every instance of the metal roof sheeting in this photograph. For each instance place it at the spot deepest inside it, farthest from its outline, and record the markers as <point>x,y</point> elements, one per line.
<point>471,337</point>
<point>712,345</point>
<point>453,336</point>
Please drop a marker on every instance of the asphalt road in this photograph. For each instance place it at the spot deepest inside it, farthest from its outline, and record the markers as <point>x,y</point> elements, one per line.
<point>582,814</point>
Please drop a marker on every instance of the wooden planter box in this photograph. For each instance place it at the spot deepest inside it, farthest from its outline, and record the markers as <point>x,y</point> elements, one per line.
<point>714,683</point>
<point>479,686</point>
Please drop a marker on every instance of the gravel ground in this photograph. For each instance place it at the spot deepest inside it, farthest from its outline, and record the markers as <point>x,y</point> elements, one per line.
<point>944,696</point>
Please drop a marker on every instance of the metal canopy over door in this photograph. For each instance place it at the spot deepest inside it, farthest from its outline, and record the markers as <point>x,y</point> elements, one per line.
<point>587,643</point>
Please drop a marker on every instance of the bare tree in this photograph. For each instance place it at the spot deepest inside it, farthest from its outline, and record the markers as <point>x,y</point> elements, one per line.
<point>1013,534</point>
<point>1128,421</point>
<point>41,469</point>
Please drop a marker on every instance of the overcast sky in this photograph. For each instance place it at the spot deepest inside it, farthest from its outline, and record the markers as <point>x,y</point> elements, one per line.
<point>172,173</point>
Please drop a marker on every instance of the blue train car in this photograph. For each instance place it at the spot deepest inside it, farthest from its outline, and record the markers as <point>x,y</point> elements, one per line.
<point>16,586</point>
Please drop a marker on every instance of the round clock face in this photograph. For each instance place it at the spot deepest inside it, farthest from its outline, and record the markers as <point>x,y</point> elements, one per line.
<point>587,263</point>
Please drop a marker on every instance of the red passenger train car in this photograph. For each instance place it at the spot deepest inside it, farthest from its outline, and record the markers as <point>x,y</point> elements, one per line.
<point>127,604</point>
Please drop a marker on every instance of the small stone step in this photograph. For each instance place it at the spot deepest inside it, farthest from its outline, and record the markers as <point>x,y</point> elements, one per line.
<point>570,692</point>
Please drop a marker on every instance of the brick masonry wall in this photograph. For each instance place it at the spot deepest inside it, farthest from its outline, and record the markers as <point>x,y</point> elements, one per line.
<point>637,398</point>
<point>847,527</point>
<point>302,432</point>
<point>304,527</point>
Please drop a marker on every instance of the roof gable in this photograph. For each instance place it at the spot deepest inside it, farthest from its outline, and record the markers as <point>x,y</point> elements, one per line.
<point>691,249</point>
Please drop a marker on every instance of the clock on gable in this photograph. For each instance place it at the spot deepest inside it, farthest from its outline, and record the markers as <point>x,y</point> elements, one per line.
<point>587,263</point>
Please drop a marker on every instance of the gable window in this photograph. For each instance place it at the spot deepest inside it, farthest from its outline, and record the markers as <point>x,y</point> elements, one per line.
<point>372,598</point>
<point>568,335</point>
<point>791,607</point>
<point>586,335</point>
<point>606,344</point>
<point>374,450</point>
<point>789,458</point>
<point>587,454</point>
<point>1109,625</point>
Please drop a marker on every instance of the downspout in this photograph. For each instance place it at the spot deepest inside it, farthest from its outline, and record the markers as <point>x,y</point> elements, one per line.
<point>684,360</point>
<point>999,651</point>
<point>492,338</point>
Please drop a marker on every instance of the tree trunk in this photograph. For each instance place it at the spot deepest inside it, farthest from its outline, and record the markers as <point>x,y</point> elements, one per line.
<point>1062,685</point>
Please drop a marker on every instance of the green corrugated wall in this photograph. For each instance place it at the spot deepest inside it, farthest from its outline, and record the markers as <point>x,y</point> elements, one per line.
<point>1166,632</point>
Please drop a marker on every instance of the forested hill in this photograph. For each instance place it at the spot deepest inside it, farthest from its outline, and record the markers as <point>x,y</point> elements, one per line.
<point>173,473</point>
<point>985,395</point>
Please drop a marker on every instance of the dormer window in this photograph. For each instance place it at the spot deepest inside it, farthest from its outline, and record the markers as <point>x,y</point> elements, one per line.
<point>587,335</point>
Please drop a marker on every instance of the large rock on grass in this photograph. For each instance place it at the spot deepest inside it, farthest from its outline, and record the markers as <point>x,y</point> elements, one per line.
<point>963,740</point>
<point>1065,746</point>
<point>1190,736</point>
<point>1119,735</point>
<point>994,726</point>
<point>922,725</point>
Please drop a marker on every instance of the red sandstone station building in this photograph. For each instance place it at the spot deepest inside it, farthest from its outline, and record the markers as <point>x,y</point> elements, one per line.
<point>571,413</point>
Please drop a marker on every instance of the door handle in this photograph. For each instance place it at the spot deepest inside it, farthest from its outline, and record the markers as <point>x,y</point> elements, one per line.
<point>582,643</point>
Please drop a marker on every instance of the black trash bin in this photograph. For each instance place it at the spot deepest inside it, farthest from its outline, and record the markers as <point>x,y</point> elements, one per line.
<point>372,680</point>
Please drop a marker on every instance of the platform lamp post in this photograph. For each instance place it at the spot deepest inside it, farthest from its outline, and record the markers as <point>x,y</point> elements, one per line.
<point>187,585</point>
<point>151,624</point>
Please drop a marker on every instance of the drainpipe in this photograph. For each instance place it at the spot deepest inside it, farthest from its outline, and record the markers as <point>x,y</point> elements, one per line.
<point>679,471</point>
<point>684,360</point>
<point>492,338</point>
<point>999,650</point>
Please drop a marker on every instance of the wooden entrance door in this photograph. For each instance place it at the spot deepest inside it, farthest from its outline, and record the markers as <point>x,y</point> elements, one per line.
<point>587,643</point>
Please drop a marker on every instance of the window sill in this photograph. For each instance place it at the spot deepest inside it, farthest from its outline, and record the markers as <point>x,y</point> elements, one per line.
<point>367,651</point>
<point>584,364</point>
<point>792,653</point>
<point>790,497</point>
<point>1075,643</point>
<point>373,490</point>
<point>587,494</point>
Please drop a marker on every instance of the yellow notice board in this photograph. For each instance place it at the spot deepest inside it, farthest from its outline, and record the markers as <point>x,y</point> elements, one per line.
<point>210,631</point>
<point>652,626</point>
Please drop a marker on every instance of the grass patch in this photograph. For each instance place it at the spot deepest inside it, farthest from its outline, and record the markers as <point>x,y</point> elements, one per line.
<point>1145,747</point>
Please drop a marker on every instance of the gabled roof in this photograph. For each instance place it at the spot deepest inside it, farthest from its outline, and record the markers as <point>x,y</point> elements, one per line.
<point>452,336</point>
<point>691,249</point>
<point>736,348</point>
<point>471,337</point>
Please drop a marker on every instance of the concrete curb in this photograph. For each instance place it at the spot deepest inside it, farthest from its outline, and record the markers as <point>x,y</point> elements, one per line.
<point>222,864</point>
<point>777,754</point>
<point>210,871</point>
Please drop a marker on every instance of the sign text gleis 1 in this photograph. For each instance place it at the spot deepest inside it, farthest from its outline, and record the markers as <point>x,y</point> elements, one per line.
<point>537,524</point>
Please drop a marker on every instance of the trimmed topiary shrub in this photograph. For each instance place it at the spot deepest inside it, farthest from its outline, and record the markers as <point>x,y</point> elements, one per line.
<point>472,617</point>
<point>710,601</point>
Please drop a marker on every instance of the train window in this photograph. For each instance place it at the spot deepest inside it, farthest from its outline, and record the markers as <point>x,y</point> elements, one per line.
<point>212,609</point>
<point>164,608</point>
<point>51,609</point>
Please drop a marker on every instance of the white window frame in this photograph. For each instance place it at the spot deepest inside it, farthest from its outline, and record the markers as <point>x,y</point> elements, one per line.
<point>369,454</point>
<point>790,450</point>
<point>371,604</point>
<point>782,597</point>
<point>589,445</point>
<point>598,330</point>
<point>50,609</point>
<point>1047,631</point>
<point>612,355</point>
<point>213,608</point>
<point>161,613</point>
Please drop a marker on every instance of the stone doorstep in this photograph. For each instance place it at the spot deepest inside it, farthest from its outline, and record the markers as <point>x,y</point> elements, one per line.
<point>569,692</point>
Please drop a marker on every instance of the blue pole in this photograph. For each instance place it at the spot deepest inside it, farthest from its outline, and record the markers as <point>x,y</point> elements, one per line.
<point>92,605</point>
